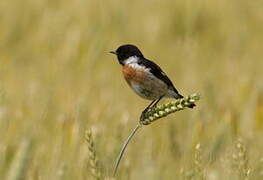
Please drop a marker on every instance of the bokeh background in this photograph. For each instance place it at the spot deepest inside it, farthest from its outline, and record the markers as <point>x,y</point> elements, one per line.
<point>57,80</point>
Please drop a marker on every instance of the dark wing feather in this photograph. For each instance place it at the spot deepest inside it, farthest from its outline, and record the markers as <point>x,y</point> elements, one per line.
<point>158,72</point>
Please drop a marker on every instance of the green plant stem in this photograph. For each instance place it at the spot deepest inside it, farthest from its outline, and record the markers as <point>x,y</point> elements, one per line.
<point>124,147</point>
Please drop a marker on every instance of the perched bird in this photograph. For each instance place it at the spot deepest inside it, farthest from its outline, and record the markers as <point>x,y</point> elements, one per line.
<point>145,77</point>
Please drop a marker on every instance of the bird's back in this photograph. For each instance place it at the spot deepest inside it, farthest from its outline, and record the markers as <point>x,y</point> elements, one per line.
<point>160,74</point>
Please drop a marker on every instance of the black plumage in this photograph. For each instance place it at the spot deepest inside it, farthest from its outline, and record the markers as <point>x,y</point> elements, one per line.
<point>158,72</point>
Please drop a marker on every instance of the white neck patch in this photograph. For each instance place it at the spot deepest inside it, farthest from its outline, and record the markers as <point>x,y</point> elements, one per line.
<point>133,62</point>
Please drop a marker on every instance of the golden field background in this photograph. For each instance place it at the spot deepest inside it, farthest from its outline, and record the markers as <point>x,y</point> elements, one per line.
<point>57,80</point>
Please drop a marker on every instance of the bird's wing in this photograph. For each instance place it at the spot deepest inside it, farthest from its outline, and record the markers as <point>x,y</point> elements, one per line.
<point>158,72</point>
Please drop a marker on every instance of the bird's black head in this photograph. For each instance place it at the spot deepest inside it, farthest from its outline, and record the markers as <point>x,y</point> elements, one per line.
<point>125,51</point>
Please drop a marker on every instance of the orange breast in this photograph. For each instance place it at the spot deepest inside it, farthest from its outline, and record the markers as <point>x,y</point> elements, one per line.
<point>133,75</point>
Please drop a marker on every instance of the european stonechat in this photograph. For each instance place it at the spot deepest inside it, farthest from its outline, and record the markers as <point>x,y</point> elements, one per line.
<point>145,77</point>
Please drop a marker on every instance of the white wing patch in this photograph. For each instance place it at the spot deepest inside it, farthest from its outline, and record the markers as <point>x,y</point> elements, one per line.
<point>163,73</point>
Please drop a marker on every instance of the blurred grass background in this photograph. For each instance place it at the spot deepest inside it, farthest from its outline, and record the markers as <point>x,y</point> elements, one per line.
<point>57,80</point>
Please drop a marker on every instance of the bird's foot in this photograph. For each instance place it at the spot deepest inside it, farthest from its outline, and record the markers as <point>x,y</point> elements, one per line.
<point>151,108</point>
<point>142,117</point>
<point>144,114</point>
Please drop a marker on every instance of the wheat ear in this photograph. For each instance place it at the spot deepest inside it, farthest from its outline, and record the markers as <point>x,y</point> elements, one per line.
<point>168,108</point>
<point>240,158</point>
<point>154,114</point>
<point>93,162</point>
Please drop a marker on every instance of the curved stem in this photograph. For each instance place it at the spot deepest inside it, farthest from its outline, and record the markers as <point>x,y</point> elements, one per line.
<point>124,147</point>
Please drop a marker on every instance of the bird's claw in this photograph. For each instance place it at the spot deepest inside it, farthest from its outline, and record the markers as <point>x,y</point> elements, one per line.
<point>142,116</point>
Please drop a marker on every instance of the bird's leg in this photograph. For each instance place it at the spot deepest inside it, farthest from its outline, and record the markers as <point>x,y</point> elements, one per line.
<point>151,105</point>
<point>146,109</point>
<point>156,102</point>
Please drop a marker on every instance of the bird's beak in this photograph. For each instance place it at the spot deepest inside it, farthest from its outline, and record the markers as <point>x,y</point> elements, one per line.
<point>113,52</point>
